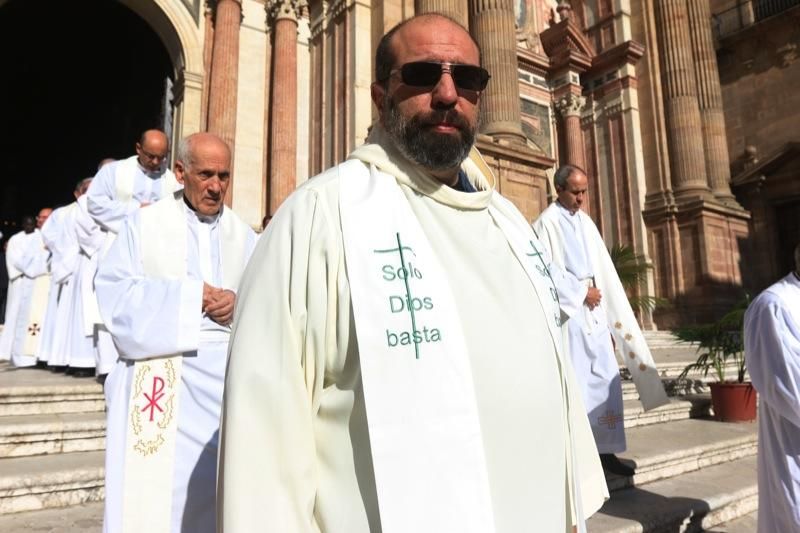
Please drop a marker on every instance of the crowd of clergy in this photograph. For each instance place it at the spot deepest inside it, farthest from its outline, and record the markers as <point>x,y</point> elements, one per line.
<point>353,403</point>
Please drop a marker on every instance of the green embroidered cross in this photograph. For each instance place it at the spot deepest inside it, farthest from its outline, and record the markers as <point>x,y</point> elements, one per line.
<point>400,248</point>
<point>545,272</point>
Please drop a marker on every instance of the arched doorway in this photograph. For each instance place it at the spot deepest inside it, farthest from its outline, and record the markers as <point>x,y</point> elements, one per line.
<point>81,80</point>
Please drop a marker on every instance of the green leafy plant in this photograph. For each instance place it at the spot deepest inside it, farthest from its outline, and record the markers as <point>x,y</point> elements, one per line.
<point>632,270</point>
<point>718,342</point>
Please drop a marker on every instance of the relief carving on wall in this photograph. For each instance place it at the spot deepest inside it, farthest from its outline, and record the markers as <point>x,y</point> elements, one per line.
<point>532,17</point>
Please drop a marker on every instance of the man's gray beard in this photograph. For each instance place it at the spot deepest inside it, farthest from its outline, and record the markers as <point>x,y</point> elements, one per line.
<point>433,151</point>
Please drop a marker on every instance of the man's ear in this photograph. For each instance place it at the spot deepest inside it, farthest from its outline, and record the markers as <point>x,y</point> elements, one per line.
<point>179,169</point>
<point>378,92</point>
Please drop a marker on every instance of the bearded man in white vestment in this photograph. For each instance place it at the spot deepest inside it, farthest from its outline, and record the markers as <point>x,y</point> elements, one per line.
<point>34,263</point>
<point>166,290</point>
<point>395,364</point>
<point>772,352</point>
<point>119,189</point>
<point>605,319</point>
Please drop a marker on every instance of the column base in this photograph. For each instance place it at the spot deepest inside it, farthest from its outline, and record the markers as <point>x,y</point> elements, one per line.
<point>699,250</point>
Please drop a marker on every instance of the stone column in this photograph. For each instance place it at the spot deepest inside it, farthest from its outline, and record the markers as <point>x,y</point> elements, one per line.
<point>283,16</point>
<point>455,9</point>
<point>492,23</point>
<point>224,71</point>
<point>682,113</point>
<point>709,95</point>
<point>570,106</point>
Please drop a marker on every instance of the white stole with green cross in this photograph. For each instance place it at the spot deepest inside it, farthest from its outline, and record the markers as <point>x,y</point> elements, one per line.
<point>425,435</point>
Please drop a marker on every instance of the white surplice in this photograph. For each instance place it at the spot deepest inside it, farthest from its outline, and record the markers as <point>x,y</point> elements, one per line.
<point>34,263</point>
<point>84,314</point>
<point>63,263</point>
<point>772,352</point>
<point>118,190</point>
<point>152,317</point>
<point>296,448</point>
<point>14,250</point>
<point>50,236</point>
<point>588,336</point>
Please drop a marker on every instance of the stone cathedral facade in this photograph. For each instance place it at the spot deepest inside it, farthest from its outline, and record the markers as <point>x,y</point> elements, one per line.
<point>628,89</point>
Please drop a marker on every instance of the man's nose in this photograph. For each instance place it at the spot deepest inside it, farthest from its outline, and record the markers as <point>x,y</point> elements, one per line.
<point>444,93</point>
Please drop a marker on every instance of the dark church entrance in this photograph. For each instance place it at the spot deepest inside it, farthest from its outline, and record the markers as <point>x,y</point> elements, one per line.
<point>79,81</point>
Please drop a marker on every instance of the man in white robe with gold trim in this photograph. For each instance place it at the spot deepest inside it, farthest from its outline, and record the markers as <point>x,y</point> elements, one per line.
<point>166,291</point>
<point>118,190</point>
<point>772,351</point>
<point>34,263</point>
<point>590,282</point>
<point>395,364</point>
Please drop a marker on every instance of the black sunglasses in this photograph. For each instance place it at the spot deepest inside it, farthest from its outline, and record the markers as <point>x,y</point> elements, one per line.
<point>428,73</point>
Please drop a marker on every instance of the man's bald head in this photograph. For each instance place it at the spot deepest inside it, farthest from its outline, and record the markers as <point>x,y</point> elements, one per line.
<point>42,217</point>
<point>385,55</point>
<point>81,187</point>
<point>152,150</point>
<point>203,167</point>
<point>104,162</point>
<point>28,224</point>
<point>153,136</point>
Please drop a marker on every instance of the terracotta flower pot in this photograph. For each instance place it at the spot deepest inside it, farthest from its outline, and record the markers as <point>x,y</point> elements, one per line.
<point>733,402</point>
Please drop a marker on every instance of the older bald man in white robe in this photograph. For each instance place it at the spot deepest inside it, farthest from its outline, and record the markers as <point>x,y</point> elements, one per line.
<point>166,291</point>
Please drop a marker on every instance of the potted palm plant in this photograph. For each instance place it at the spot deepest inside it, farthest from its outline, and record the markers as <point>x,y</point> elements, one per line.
<point>719,344</point>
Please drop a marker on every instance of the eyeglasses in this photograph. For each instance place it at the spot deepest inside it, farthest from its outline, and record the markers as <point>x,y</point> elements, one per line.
<point>151,157</point>
<point>428,74</point>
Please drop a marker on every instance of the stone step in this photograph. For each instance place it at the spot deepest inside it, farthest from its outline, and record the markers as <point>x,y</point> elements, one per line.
<point>744,524</point>
<point>83,518</point>
<point>51,433</point>
<point>35,391</point>
<point>692,384</point>
<point>47,481</point>
<point>668,450</point>
<point>663,339</point>
<point>695,501</point>
<point>694,406</point>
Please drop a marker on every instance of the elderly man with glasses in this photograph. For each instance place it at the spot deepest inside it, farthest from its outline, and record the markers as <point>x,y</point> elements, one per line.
<point>396,363</point>
<point>119,189</point>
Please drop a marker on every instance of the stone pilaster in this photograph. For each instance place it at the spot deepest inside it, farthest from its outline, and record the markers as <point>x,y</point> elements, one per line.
<point>208,48</point>
<point>492,23</point>
<point>224,72</point>
<point>570,107</point>
<point>455,9</point>
<point>682,112</point>
<point>709,95</point>
<point>283,126</point>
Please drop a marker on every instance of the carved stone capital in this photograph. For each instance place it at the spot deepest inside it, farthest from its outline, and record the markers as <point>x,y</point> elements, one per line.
<point>570,105</point>
<point>284,9</point>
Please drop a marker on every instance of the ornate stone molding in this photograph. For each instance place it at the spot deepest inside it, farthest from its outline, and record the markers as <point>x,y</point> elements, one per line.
<point>570,105</point>
<point>284,9</point>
